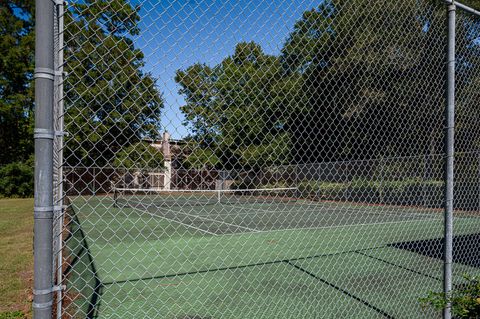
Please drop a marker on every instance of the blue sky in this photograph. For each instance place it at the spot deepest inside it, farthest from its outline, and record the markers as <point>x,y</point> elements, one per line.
<point>178,33</point>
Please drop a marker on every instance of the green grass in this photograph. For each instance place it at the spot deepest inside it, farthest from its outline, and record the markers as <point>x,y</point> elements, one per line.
<point>16,258</point>
<point>12,315</point>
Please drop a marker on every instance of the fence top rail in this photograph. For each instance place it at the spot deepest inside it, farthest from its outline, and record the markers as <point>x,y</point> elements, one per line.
<point>464,7</point>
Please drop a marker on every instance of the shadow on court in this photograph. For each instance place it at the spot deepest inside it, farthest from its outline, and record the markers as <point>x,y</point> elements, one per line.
<point>466,248</point>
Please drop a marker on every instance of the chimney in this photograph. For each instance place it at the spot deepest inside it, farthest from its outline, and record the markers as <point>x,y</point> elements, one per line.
<point>166,146</point>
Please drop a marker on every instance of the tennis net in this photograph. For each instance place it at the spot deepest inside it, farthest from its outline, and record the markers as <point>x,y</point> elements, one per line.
<point>133,197</point>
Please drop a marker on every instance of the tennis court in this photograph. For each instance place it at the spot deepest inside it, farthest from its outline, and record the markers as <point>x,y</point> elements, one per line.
<point>204,257</point>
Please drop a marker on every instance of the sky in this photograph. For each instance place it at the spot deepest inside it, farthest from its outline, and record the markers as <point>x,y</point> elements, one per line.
<point>176,34</point>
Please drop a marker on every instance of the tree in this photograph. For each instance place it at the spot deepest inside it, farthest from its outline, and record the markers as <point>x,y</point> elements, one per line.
<point>16,179</point>
<point>355,80</point>
<point>371,73</point>
<point>200,158</point>
<point>17,45</point>
<point>111,102</point>
<point>235,109</point>
<point>141,156</point>
<point>467,83</point>
<point>473,3</point>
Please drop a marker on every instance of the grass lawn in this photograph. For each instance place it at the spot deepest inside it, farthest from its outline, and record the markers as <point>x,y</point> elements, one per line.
<point>16,257</point>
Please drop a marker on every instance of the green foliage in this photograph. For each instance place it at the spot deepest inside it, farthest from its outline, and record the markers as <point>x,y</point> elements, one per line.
<point>464,299</point>
<point>236,107</point>
<point>275,149</point>
<point>333,54</point>
<point>12,315</point>
<point>321,190</point>
<point>472,3</point>
<point>141,156</point>
<point>201,158</point>
<point>17,45</point>
<point>16,179</point>
<point>321,99</point>
<point>387,192</point>
<point>113,103</point>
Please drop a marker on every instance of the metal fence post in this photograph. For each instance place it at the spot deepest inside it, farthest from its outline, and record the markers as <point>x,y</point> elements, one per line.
<point>43,135</point>
<point>449,143</point>
<point>58,149</point>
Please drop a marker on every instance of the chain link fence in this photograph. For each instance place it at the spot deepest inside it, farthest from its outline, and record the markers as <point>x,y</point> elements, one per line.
<point>256,159</point>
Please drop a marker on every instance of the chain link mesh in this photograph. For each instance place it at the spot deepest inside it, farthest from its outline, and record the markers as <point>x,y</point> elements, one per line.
<point>58,190</point>
<point>467,155</point>
<point>261,159</point>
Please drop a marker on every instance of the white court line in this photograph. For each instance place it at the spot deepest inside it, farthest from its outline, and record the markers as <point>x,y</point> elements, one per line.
<point>295,210</point>
<point>256,231</point>
<point>205,218</point>
<point>172,220</point>
<point>214,220</point>
<point>334,226</point>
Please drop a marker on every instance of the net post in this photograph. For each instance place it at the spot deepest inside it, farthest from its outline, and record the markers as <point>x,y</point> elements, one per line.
<point>115,197</point>
<point>380,184</point>
<point>449,163</point>
<point>219,198</point>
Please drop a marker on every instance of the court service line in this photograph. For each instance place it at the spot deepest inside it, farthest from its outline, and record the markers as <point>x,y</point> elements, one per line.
<point>214,220</point>
<point>253,210</point>
<point>332,210</point>
<point>294,210</point>
<point>172,220</point>
<point>323,212</point>
<point>337,226</point>
<point>202,217</point>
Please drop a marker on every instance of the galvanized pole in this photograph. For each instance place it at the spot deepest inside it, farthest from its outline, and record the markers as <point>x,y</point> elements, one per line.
<point>43,135</point>
<point>450,126</point>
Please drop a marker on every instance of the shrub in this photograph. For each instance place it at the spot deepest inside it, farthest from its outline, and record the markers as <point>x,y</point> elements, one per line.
<point>322,190</point>
<point>12,315</point>
<point>465,299</point>
<point>398,192</point>
<point>16,179</point>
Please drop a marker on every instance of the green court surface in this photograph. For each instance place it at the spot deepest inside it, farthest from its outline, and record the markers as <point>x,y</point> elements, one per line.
<point>254,261</point>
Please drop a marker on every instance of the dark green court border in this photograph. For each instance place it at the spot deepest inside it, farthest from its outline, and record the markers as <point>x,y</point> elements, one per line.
<point>94,302</point>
